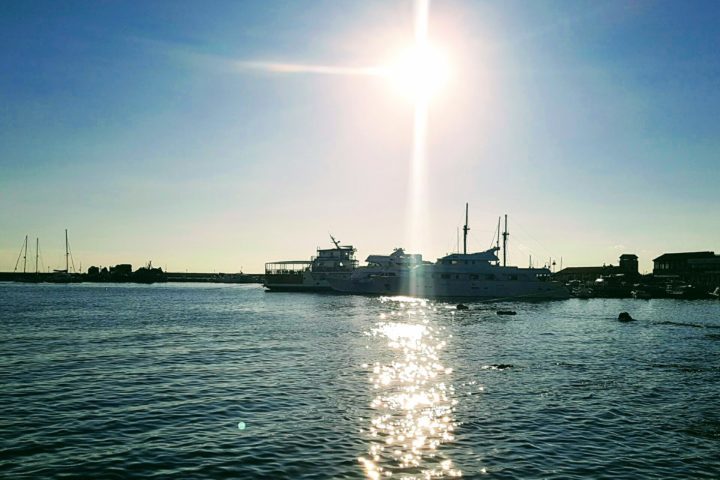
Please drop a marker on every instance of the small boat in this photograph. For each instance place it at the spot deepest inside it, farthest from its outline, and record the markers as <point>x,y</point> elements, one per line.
<point>641,294</point>
<point>584,292</point>
<point>689,292</point>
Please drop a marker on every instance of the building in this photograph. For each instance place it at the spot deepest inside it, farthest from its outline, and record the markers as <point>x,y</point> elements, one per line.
<point>628,266</point>
<point>121,269</point>
<point>677,264</point>
<point>629,263</point>
<point>701,269</point>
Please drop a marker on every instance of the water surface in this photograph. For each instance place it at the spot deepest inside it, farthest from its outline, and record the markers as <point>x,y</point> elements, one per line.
<point>227,381</point>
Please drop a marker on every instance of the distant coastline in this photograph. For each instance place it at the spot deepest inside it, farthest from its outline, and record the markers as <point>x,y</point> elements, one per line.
<point>175,277</point>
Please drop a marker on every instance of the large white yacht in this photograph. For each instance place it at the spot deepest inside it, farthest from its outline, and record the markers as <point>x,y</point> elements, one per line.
<point>312,275</point>
<point>364,279</point>
<point>458,275</point>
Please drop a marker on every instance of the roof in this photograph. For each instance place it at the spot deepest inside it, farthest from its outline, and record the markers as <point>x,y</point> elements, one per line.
<point>683,256</point>
<point>628,255</point>
<point>281,262</point>
<point>487,255</point>
<point>586,269</point>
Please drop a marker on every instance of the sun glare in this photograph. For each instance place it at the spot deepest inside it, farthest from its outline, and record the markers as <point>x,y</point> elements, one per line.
<point>419,72</point>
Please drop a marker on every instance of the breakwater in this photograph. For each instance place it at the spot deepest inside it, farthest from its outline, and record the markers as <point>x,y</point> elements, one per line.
<point>179,277</point>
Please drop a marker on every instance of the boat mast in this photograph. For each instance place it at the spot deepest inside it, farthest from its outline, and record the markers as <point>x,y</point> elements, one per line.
<point>37,253</point>
<point>505,237</point>
<point>465,230</point>
<point>67,253</point>
<point>25,256</point>
<point>497,240</point>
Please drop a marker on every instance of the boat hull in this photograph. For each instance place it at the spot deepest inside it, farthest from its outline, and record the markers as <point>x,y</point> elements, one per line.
<point>306,282</point>
<point>453,289</point>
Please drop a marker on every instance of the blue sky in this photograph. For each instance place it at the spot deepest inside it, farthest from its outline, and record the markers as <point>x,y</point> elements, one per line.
<point>594,125</point>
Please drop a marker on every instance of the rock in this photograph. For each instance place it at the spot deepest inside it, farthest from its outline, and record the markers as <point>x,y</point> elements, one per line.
<point>461,306</point>
<point>625,317</point>
<point>501,366</point>
<point>506,312</point>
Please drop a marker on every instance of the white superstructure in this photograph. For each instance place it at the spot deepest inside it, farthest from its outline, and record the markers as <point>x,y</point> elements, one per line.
<point>363,279</point>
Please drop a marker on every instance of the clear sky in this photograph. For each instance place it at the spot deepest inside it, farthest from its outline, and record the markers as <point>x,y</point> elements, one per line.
<point>153,131</point>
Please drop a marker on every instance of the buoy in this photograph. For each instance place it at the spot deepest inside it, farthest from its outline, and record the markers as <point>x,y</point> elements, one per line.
<point>506,312</point>
<point>461,306</point>
<point>625,317</point>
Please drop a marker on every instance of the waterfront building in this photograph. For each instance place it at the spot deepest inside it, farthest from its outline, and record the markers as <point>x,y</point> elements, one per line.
<point>628,266</point>
<point>701,269</point>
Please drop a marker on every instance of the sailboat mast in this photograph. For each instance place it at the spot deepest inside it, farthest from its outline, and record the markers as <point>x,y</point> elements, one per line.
<point>37,253</point>
<point>497,240</point>
<point>505,236</point>
<point>25,256</point>
<point>67,253</point>
<point>465,230</point>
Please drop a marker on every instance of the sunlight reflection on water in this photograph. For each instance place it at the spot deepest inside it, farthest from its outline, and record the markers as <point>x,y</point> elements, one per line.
<point>413,403</point>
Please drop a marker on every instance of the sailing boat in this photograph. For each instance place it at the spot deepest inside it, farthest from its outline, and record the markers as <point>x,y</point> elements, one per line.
<point>27,276</point>
<point>64,276</point>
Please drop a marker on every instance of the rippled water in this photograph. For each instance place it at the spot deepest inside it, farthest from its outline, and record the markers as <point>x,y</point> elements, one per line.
<point>226,381</point>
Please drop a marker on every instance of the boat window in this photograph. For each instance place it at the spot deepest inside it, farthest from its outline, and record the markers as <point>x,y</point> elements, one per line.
<point>474,277</point>
<point>445,276</point>
<point>490,276</point>
<point>453,262</point>
<point>513,277</point>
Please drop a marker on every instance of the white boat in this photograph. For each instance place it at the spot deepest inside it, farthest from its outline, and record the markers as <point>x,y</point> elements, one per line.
<point>364,279</point>
<point>312,275</point>
<point>460,275</point>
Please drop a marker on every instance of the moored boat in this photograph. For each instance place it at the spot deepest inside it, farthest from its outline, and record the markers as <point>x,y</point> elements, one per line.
<point>461,275</point>
<point>312,275</point>
<point>371,278</point>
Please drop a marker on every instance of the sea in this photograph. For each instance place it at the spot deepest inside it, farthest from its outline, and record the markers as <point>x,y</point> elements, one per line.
<point>191,381</point>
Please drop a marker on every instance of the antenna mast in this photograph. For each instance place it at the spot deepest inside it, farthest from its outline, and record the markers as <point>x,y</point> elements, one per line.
<point>336,242</point>
<point>505,237</point>
<point>465,230</point>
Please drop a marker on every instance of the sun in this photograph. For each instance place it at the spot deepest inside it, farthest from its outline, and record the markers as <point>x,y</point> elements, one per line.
<point>419,72</point>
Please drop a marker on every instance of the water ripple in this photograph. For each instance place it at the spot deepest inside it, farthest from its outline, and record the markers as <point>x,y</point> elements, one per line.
<point>153,381</point>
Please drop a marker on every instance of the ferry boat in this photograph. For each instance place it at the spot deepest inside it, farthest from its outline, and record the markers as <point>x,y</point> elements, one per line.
<point>461,275</point>
<point>312,275</point>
